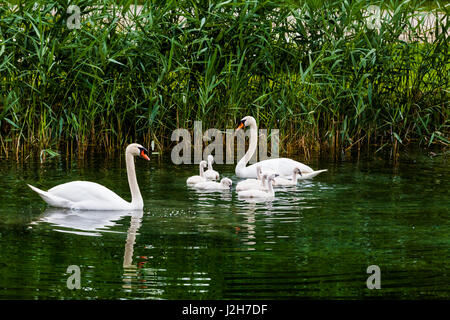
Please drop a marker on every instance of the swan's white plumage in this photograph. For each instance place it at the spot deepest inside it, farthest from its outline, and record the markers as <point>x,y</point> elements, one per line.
<point>200,178</point>
<point>249,186</point>
<point>311,175</point>
<point>224,184</point>
<point>281,181</point>
<point>251,183</point>
<point>86,195</point>
<point>211,174</point>
<point>51,199</point>
<point>83,195</point>
<point>260,193</point>
<point>195,179</point>
<point>284,182</point>
<point>281,166</point>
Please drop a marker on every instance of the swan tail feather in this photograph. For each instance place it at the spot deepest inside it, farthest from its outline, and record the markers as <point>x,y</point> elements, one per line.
<point>51,199</point>
<point>311,175</point>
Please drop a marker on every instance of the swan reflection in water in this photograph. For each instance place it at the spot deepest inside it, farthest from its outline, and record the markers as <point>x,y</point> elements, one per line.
<point>84,222</point>
<point>94,223</point>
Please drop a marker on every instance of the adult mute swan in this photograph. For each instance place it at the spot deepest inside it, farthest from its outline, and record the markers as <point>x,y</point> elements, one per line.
<point>200,178</point>
<point>224,184</point>
<point>85,195</point>
<point>258,193</point>
<point>282,166</point>
<point>280,181</point>
<point>211,174</point>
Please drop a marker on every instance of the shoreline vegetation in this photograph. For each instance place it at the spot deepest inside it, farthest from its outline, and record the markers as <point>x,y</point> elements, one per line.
<point>329,77</point>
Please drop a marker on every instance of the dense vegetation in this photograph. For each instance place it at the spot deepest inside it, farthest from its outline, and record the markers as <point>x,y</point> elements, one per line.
<point>319,71</point>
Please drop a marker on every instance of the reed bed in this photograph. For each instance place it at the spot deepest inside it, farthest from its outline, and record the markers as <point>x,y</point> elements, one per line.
<point>315,70</point>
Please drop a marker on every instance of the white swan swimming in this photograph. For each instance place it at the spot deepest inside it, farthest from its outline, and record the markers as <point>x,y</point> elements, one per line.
<point>85,195</point>
<point>258,176</point>
<point>258,183</point>
<point>281,166</point>
<point>211,174</point>
<point>201,177</point>
<point>224,184</point>
<point>258,193</point>
<point>280,181</point>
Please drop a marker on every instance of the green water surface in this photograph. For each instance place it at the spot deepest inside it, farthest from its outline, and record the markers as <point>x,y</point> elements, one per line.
<point>315,240</point>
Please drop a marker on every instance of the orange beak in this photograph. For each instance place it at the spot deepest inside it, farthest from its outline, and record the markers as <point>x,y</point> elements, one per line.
<point>241,125</point>
<point>144,156</point>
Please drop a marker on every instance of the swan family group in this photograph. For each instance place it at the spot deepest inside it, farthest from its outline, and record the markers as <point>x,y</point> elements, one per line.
<point>261,187</point>
<point>261,178</point>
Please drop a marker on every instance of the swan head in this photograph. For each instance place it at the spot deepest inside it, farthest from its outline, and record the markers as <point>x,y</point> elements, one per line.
<point>226,182</point>
<point>210,159</point>
<point>137,150</point>
<point>245,122</point>
<point>298,171</point>
<point>203,164</point>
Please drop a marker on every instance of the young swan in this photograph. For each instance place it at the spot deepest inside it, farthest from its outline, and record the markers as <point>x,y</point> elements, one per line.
<point>260,194</point>
<point>249,184</point>
<point>211,174</point>
<point>280,181</point>
<point>197,179</point>
<point>224,184</point>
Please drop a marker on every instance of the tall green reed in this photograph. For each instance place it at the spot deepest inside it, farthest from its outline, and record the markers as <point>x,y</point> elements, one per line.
<point>316,70</point>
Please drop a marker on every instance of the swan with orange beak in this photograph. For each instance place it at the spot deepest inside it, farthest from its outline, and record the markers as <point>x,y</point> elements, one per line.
<point>86,195</point>
<point>281,166</point>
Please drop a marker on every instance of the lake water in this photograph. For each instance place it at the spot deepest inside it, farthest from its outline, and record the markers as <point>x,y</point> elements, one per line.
<point>315,240</point>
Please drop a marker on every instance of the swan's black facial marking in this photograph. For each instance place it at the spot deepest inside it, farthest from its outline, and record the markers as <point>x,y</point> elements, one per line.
<point>143,149</point>
<point>143,153</point>
<point>241,124</point>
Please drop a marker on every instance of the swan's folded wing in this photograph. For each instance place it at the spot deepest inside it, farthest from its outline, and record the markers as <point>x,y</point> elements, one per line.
<point>281,166</point>
<point>81,191</point>
<point>51,199</point>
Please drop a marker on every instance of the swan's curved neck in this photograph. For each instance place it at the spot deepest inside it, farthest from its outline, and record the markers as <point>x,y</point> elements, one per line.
<point>201,170</point>
<point>209,164</point>
<point>270,188</point>
<point>251,148</point>
<point>136,198</point>
<point>263,181</point>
